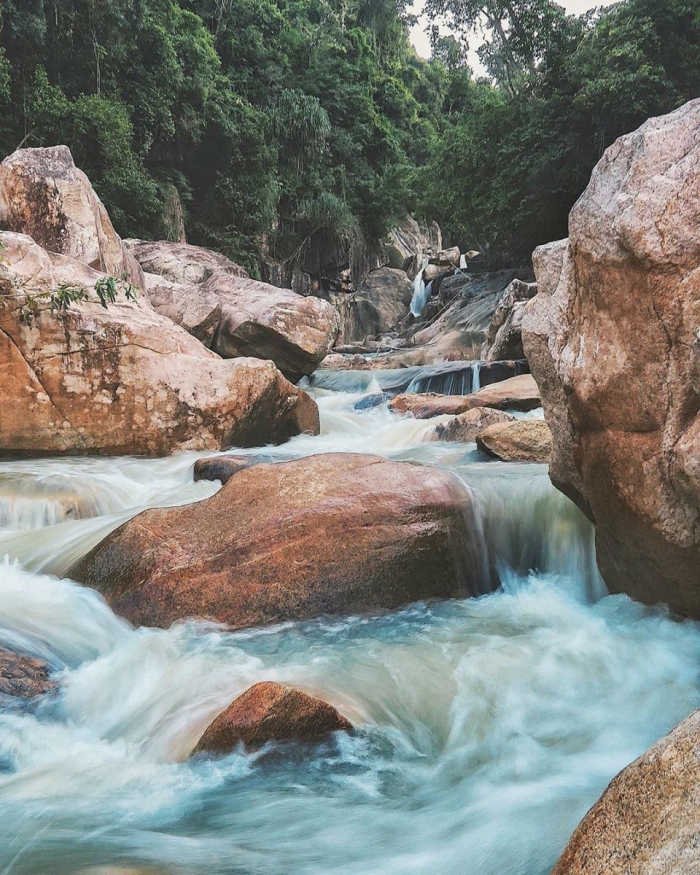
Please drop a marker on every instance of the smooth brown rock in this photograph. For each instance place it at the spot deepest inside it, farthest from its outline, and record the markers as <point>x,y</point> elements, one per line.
<point>195,310</point>
<point>123,380</point>
<point>646,822</point>
<point>466,426</point>
<point>182,263</point>
<point>222,467</point>
<point>525,440</point>
<point>270,712</point>
<point>610,339</point>
<point>44,195</point>
<point>23,676</point>
<point>262,321</point>
<point>516,393</point>
<point>335,533</point>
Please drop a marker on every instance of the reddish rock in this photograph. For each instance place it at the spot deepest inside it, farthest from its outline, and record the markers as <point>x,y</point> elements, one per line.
<point>123,380</point>
<point>270,712</point>
<point>425,405</point>
<point>646,822</point>
<point>525,440</point>
<point>222,467</point>
<point>44,195</point>
<point>612,341</point>
<point>516,393</point>
<point>334,533</point>
<point>23,676</point>
<point>466,426</point>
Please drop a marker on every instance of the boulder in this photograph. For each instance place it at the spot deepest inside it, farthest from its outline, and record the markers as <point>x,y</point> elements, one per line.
<point>222,467</point>
<point>378,306</point>
<point>44,195</point>
<point>23,676</point>
<point>504,339</point>
<point>262,321</point>
<point>195,310</point>
<point>122,379</point>
<point>516,393</point>
<point>525,440</point>
<point>410,243</point>
<point>181,262</point>
<point>335,533</point>
<point>611,339</point>
<point>646,822</point>
<point>215,300</point>
<point>448,256</point>
<point>269,712</point>
<point>466,426</point>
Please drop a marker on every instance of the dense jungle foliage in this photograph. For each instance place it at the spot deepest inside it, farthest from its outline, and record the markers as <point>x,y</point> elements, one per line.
<point>283,120</point>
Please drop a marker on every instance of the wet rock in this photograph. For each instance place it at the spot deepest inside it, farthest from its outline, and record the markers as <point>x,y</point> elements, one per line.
<point>466,426</point>
<point>222,467</point>
<point>516,393</point>
<point>44,195</point>
<point>335,533</point>
<point>504,339</point>
<point>646,822</point>
<point>123,380</point>
<point>270,712</point>
<point>23,676</point>
<point>611,341</point>
<point>525,440</point>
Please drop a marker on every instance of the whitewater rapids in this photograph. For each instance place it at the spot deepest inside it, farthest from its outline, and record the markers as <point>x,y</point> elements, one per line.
<point>486,727</point>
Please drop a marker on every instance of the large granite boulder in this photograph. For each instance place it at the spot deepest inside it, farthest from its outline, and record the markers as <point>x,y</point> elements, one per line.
<point>43,194</point>
<point>410,243</point>
<point>214,299</point>
<point>612,341</point>
<point>270,712</point>
<point>525,440</point>
<point>646,822</point>
<point>122,379</point>
<point>335,533</point>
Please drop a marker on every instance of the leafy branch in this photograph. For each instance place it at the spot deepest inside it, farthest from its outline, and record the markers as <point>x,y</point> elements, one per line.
<point>60,299</point>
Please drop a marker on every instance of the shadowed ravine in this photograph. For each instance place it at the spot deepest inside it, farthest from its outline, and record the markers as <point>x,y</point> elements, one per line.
<point>487,727</point>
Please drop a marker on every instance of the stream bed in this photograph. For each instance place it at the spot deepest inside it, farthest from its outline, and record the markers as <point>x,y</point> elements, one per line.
<point>486,727</point>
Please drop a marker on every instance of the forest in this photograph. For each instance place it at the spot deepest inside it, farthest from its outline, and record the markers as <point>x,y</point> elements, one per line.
<point>285,122</point>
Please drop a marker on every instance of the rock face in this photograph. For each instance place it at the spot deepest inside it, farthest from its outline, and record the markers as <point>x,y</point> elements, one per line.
<point>469,424</point>
<point>410,243</point>
<point>216,301</point>
<point>381,302</point>
<point>516,393</point>
<point>344,533</point>
<point>44,195</point>
<point>23,677</point>
<point>123,380</point>
<point>612,341</point>
<point>270,712</point>
<point>504,339</point>
<point>525,440</point>
<point>646,822</point>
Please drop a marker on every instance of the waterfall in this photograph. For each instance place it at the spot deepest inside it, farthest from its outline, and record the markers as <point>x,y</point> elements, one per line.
<point>421,291</point>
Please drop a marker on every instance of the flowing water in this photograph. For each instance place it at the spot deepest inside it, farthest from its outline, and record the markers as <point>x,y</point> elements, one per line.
<point>486,727</point>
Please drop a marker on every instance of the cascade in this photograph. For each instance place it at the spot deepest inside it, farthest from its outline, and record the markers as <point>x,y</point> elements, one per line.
<point>486,727</point>
<point>421,291</point>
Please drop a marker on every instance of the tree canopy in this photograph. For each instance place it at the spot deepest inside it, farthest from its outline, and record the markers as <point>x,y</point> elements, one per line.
<point>286,122</point>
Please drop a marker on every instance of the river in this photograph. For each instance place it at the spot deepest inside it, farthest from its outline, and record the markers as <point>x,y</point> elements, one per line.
<point>486,727</point>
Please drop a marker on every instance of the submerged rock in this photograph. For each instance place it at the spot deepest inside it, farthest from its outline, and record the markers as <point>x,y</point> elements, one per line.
<point>646,822</point>
<point>44,195</point>
<point>270,712</point>
<point>123,380</point>
<point>222,467</point>
<point>23,676</point>
<point>466,426</point>
<point>214,299</point>
<point>525,440</point>
<point>335,533</point>
<point>612,341</point>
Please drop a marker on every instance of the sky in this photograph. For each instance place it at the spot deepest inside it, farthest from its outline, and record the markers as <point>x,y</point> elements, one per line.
<point>422,44</point>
